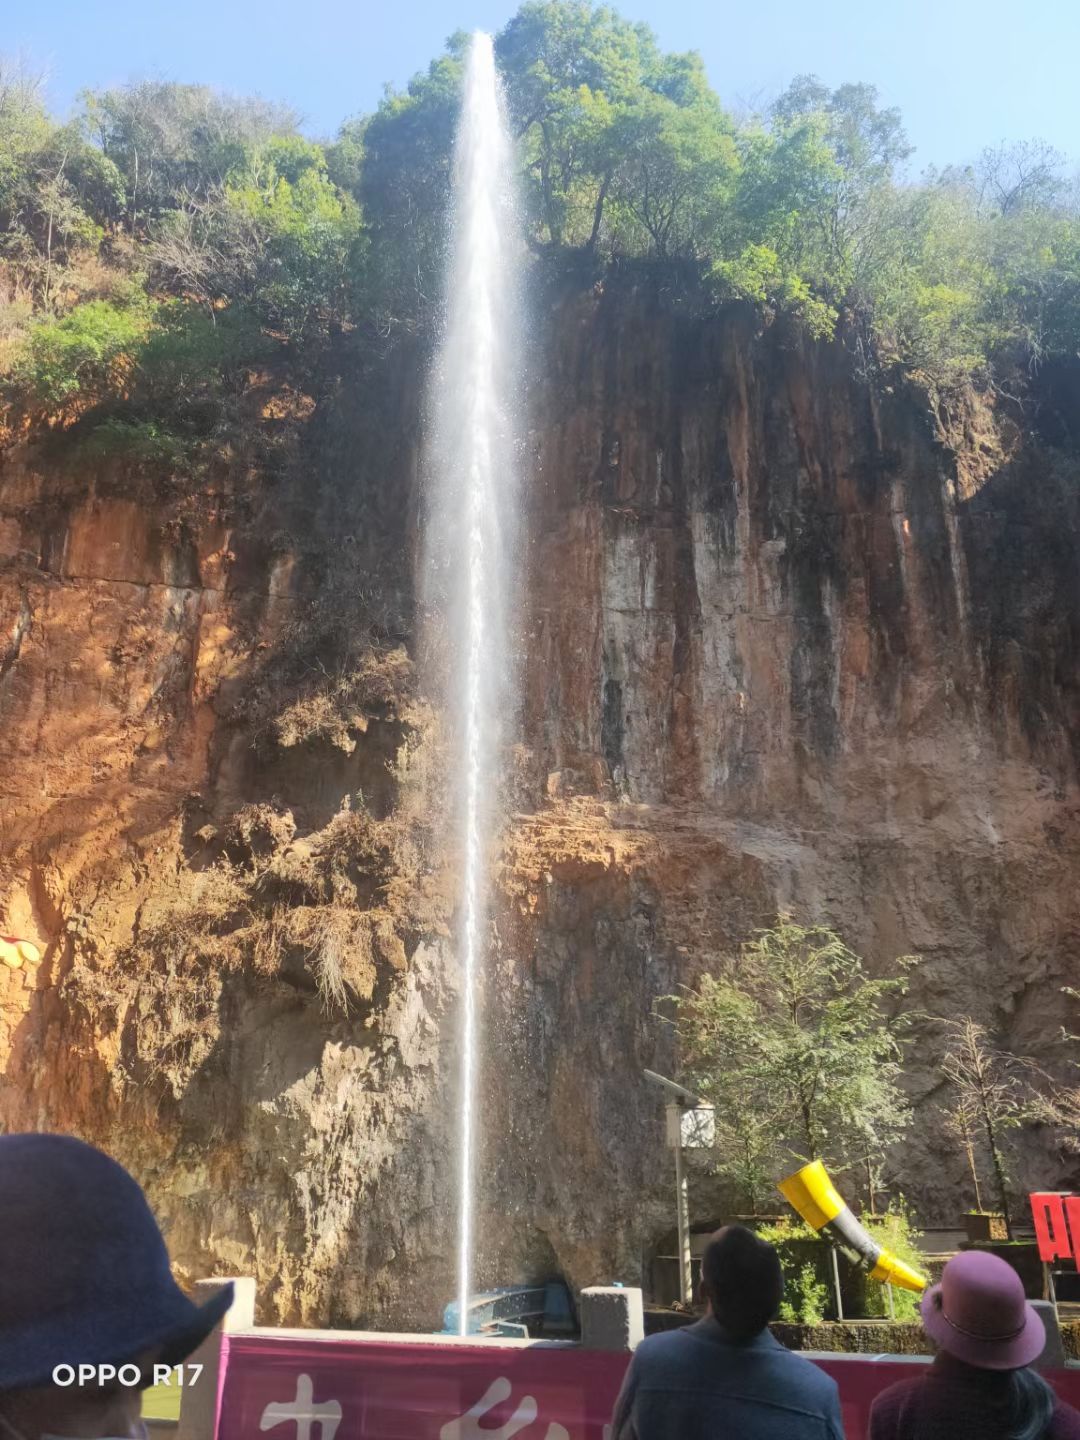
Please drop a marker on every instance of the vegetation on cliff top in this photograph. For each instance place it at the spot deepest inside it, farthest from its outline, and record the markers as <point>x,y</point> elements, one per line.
<point>167,240</point>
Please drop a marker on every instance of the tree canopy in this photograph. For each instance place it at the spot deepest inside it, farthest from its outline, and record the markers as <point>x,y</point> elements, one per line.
<point>798,1049</point>
<point>157,201</point>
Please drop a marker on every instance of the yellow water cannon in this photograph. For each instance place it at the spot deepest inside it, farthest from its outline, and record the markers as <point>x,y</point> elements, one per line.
<point>815,1197</point>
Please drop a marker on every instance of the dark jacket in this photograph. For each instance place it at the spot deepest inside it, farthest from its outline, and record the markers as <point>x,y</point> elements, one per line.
<point>956,1402</point>
<point>694,1384</point>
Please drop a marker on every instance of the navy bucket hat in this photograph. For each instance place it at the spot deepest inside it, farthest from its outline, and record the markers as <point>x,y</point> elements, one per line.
<point>84,1273</point>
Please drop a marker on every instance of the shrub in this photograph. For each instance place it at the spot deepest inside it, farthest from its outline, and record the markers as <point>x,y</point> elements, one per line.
<point>145,441</point>
<point>896,1231</point>
<point>193,351</point>
<point>337,943</point>
<point>758,275</point>
<point>803,1257</point>
<point>79,358</point>
<point>805,1299</point>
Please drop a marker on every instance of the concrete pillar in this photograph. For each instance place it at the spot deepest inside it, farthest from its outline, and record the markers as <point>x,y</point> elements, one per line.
<point>198,1402</point>
<point>1053,1357</point>
<point>612,1318</point>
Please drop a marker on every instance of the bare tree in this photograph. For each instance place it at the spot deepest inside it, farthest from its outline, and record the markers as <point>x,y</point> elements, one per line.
<point>962,1122</point>
<point>1019,176</point>
<point>1060,1105</point>
<point>22,92</point>
<point>207,248</point>
<point>170,140</point>
<point>993,1092</point>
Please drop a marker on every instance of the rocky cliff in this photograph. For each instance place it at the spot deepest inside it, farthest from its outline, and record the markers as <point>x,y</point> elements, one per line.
<point>794,636</point>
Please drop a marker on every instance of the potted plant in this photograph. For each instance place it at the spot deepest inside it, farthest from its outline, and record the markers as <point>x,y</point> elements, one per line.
<point>982,1225</point>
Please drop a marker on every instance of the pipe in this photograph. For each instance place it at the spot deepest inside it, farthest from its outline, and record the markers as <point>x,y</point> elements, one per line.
<point>813,1195</point>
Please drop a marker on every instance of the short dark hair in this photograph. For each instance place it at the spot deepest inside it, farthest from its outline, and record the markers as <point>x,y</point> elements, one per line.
<point>742,1281</point>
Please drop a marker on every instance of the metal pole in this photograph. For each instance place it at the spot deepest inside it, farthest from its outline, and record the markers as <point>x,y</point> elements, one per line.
<point>683,1202</point>
<point>892,1306</point>
<point>836,1282</point>
<point>1050,1288</point>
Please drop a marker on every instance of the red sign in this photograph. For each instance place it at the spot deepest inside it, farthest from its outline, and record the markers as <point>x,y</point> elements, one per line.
<point>1057,1225</point>
<point>290,1387</point>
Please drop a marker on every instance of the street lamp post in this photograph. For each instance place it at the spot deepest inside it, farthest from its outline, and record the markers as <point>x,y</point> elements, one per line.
<point>690,1126</point>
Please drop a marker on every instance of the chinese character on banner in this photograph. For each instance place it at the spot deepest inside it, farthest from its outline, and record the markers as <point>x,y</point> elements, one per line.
<point>303,1413</point>
<point>468,1427</point>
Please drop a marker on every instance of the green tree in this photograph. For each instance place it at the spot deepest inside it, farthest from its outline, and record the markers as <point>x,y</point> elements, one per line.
<point>180,193</point>
<point>816,224</point>
<point>799,1049</point>
<point>24,126</point>
<point>679,161</point>
<point>1033,300</point>
<point>927,304</point>
<point>1000,254</point>
<point>278,237</point>
<point>721,1018</point>
<point>71,193</point>
<point>616,136</point>
<point>191,357</point>
<point>404,189</point>
<point>850,151</point>
<point>306,234</point>
<point>571,69</point>
<point>56,191</point>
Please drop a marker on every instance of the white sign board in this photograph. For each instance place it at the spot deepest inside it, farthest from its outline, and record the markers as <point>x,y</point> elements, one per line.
<point>692,1129</point>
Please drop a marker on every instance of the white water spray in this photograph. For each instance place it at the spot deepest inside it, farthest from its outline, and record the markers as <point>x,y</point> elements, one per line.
<point>473,499</point>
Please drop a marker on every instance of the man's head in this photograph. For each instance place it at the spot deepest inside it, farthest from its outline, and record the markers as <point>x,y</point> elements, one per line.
<point>84,1281</point>
<point>742,1281</point>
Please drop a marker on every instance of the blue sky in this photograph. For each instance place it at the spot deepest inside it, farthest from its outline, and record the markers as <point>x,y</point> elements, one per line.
<point>964,72</point>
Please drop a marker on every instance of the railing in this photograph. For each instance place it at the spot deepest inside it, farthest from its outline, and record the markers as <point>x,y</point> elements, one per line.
<point>318,1385</point>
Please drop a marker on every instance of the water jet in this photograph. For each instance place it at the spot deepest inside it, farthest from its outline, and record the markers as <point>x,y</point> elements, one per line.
<point>472,494</point>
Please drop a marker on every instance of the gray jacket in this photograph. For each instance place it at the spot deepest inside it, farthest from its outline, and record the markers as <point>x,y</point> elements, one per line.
<point>694,1384</point>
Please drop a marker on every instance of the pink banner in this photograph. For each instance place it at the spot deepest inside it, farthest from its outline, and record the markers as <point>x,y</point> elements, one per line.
<point>291,1388</point>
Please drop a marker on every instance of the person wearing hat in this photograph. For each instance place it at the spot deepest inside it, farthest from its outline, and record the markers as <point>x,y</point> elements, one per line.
<point>84,1280</point>
<point>727,1375</point>
<point>979,1386</point>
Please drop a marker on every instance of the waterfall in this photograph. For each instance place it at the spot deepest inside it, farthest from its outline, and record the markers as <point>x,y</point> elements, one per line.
<point>472,500</point>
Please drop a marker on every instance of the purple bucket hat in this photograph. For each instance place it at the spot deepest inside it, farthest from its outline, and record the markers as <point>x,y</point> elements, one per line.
<point>979,1314</point>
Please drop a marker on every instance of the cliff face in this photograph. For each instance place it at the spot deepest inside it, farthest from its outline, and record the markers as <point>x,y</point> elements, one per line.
<point>792,639</point>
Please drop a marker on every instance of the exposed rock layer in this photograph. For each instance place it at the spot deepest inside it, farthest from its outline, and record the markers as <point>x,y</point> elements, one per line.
<point>793,638</point>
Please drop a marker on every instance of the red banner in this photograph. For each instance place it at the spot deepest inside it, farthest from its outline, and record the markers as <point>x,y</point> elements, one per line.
<point>299,1389</point>
<point>288,1387</point>
<point>1057,1225</point>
